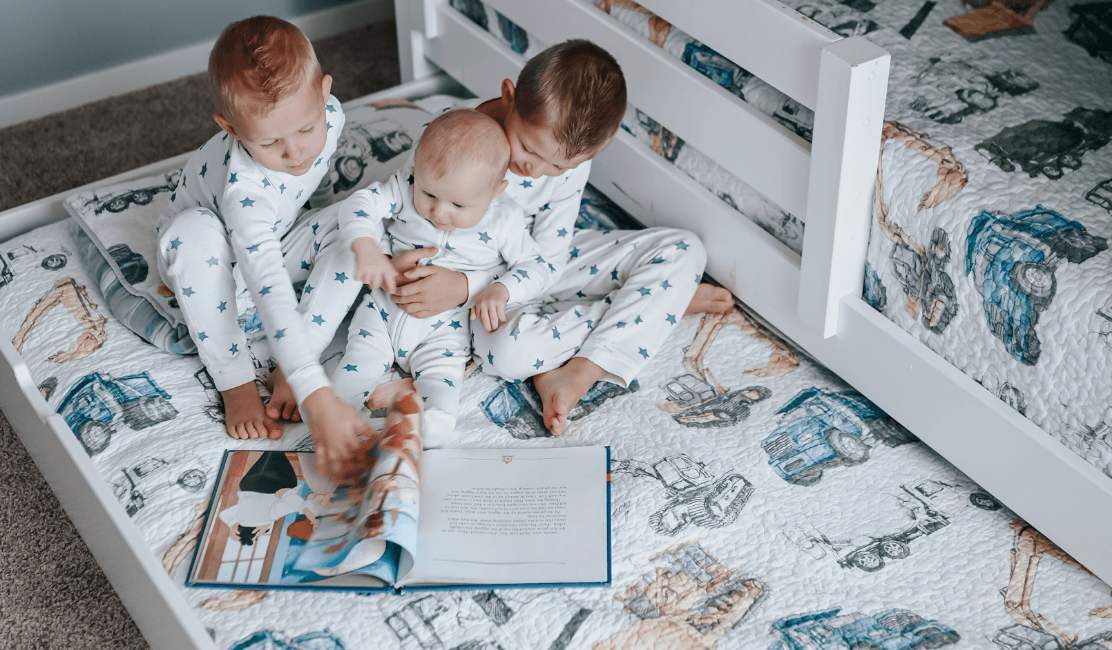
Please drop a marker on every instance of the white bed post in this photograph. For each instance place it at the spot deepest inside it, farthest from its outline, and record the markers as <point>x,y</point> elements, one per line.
<point>853,81</point>
<point>415,21</point>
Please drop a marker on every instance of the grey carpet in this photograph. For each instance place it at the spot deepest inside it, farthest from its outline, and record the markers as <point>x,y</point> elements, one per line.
<point>52,593</point>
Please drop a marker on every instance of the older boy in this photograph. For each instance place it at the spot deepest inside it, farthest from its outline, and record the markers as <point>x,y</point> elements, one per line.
<point>451,198</point>
<point>235,227</point>
<point>614,296</point>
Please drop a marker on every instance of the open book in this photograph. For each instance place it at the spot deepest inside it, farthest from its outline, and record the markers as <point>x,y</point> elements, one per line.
<point>481,517</point>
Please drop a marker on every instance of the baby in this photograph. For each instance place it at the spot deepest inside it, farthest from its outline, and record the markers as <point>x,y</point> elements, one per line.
<point>236,227</point>
<point>449,198</point>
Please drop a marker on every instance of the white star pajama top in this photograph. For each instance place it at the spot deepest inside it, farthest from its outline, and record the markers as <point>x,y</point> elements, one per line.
<point>235,227</point>
<point>433,350</point>
<point>613,297</point>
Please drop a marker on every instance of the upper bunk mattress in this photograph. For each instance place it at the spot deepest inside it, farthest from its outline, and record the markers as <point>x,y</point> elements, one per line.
<point>993,205</point>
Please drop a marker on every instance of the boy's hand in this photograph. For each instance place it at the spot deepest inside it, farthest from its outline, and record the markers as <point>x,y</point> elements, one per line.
<point>340,436</point>
<point>408,260</point>
<point>372,267</point>
<point>429,290</point>
<point>490,306</point>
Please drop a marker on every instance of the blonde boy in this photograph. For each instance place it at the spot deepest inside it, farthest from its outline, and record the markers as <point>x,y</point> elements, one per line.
<point>614,296</point>
<point>450,197</point>
<point>236,228</point>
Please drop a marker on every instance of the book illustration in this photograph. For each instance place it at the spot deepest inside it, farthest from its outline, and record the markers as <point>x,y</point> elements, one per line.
<point>360,520</point>
<point>915,510</point>
<point>891,628</point>
<point>97,406</point>
<point>138,482</point>
<point>488,620</point>
<point>819,429</point>
<point>1032,629</point>
<point>690,602</point>
<point>695,496</point>
<point>413,520</point>
<point>271,640</point>
<point>516,407</point>
<point>75,299</point>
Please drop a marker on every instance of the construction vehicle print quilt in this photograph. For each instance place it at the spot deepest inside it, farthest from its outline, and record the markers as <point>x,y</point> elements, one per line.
<point>993,204</point>
<point>757,500</point>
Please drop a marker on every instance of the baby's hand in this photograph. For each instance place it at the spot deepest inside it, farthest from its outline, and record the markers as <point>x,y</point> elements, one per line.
<point>372,267</point>
<point>490,306</point>
<point>340,436</point>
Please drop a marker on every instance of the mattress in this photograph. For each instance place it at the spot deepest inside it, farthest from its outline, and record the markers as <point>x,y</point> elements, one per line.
<point>990,232</point>
<point>756,502</point>
<point>993,210</point>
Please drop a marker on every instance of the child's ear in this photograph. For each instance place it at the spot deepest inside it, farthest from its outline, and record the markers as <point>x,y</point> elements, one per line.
<point>226,125</point>
<point>508,95</point>
<point>326,85</point>
<point>501,188</point>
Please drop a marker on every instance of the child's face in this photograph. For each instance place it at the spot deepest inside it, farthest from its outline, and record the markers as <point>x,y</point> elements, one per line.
<point>290,137</point>
<point>455,200</point>
<point>534,151</point>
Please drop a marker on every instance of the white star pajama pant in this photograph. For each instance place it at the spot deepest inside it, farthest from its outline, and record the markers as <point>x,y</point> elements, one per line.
<point>433,350</point>
<point>196,262</point>
<point>616,301</point>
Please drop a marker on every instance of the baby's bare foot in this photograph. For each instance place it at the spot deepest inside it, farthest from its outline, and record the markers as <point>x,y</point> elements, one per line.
<point>283,404</point>
<point>561,389</point>
<point>245,416</point>
<point>710,299</point>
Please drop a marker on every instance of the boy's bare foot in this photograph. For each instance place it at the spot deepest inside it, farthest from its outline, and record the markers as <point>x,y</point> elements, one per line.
<point>245,416</point>
<point>282,404</point>
<point>710,299</point>
<point>562,388</point>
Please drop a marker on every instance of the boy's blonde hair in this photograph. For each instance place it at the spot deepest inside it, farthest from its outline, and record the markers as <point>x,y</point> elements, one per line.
<point>464,140</point>
<point>578,89</point>
<point>258,62</point>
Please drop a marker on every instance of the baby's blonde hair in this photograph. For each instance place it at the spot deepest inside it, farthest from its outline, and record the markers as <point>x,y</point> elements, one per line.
<point>258,62</point>
<point>464,140</point>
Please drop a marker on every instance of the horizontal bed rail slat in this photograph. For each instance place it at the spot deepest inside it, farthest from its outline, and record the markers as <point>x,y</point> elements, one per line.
<point>747,260</point>
<point>665,89</point>
<point>777,44</point>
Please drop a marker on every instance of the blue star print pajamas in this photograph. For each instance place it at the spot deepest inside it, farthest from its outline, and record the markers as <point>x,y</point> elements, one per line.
<point>613,296</point>
<point>615,303</point>
<point>433,350</point>
<point>235,227</point>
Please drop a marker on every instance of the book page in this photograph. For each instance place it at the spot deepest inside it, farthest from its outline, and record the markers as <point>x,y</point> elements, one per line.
<point>513,516</point>
<point>267,506</point>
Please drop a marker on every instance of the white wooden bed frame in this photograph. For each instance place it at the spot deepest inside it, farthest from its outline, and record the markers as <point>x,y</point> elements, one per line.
<point>813,299</point>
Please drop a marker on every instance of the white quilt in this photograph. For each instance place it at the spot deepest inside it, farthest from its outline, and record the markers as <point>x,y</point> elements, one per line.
<point>874,537</point>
